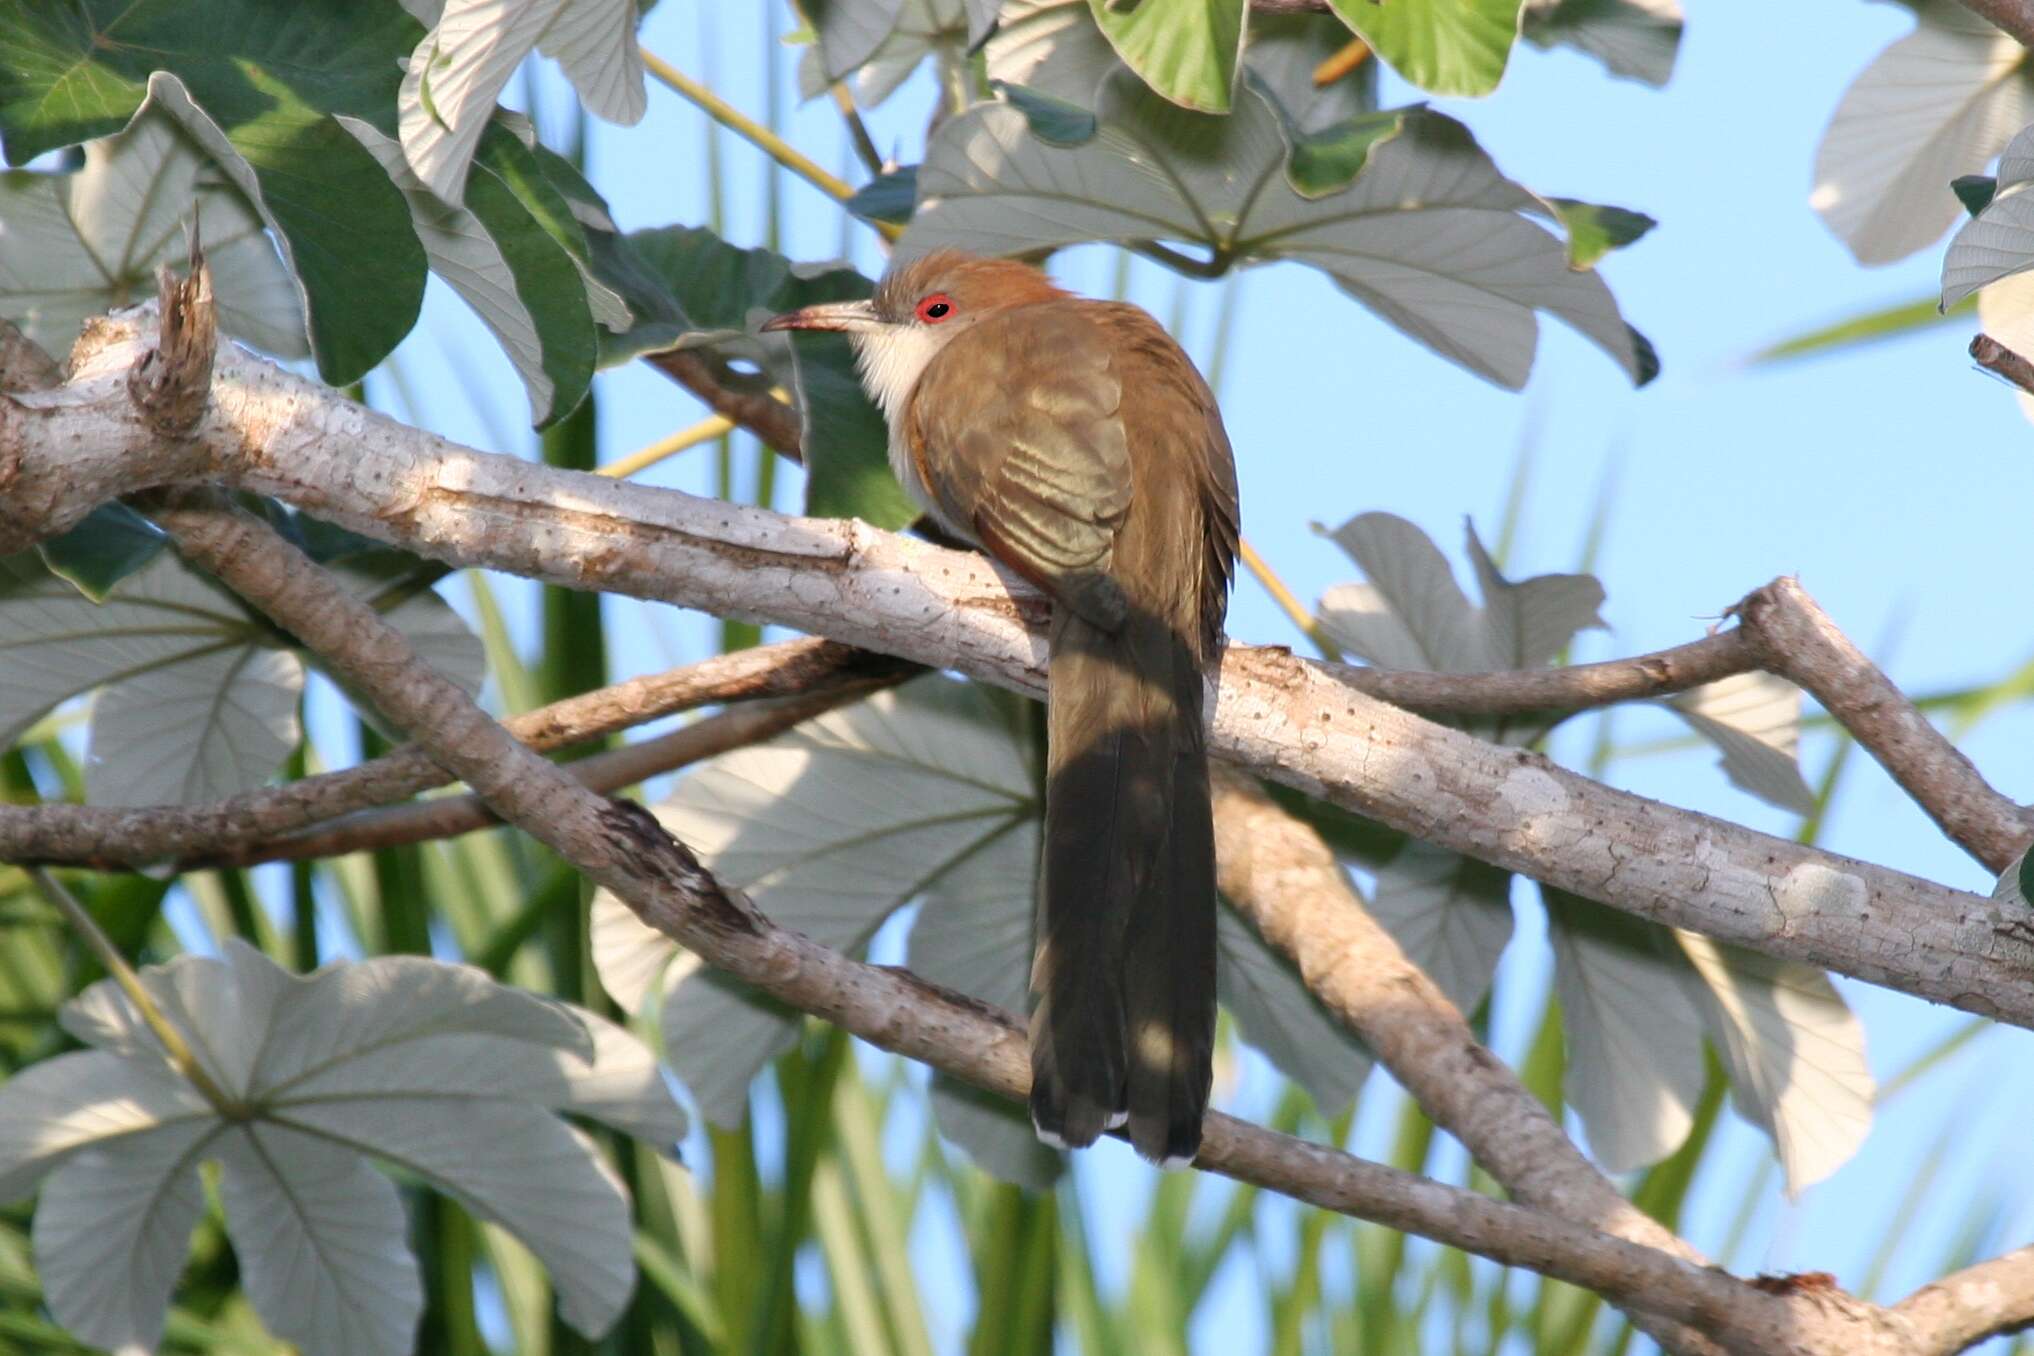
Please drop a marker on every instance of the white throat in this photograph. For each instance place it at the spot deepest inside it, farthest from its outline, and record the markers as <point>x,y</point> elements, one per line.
<point>891,361</point>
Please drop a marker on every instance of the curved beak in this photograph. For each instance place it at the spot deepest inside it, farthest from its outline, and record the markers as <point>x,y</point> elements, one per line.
<point>848,316</point>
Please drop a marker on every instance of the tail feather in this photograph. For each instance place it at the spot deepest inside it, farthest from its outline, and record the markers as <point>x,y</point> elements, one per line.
<point>1169,968</point>
<point>1124,975</point>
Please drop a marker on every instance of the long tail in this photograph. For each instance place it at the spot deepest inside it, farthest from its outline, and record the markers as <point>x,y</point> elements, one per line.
<point>1125,973</point>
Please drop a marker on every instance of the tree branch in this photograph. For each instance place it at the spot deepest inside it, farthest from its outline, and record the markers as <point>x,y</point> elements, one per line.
<point>1279,875</point>
<point>1578,687</point>
<point>622,847</point>
<point>1299,723</point>
<point>1793,637</point>
<point>761,413</point>
<point>252,827</point>
<point>1968,1306</point>
<point>605,773</point>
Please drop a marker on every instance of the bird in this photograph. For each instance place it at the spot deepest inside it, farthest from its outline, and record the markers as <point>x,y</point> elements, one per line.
<point>1075,442</point>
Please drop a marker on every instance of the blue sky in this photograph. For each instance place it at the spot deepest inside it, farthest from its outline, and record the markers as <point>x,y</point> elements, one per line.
<point>1892,480</point>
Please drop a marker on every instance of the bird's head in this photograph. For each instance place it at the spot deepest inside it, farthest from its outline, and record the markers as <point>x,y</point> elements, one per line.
<point>919,308</point>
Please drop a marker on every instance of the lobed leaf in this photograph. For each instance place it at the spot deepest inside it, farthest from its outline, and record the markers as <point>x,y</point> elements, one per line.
<point>459,69</point>
<point>90,241</point>
<point>1635,39</point>
<point>918,29</point>
<point>1443,46</point>
<point>1185,50</point>
<point>1793,1050</point>
<point>1429,235</point>
<point>523,285</point>
<point>254,84</point>
<point>395,1058</point>
<point>1450,914</point>
<point>1935,104</point>
<point>1635,1067</point>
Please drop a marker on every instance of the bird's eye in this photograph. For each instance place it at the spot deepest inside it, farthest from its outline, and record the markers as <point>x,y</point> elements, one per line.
<point>935,308</point>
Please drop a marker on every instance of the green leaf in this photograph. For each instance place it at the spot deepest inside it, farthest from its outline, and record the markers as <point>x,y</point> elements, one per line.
<point>888,197</point>
<point>1443,46</point>
<point>1327,161</point>
<point>1277,1014</point>
<point>1451,914</point>
<point>849,31</point>
<point>918,29</point>
<point>1595,230</point>
<point>1974,191</point>
<point>1051,118</point>
<point>508,262</point>
<point>1793,1049</point>
<point>198,700</point>
<point>689,288</point>
<point>112,542</point>
<point>1186,50</point>
<point>1286,50</point>
<point>1998,241</point>
<point>462,65</point>
<point>1635,1066</point>
<point>1413,615</point>
<point>2026,876</point>
<point>256,84</point>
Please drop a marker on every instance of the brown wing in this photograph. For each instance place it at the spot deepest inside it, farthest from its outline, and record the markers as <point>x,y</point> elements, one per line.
<point>1018,435</point>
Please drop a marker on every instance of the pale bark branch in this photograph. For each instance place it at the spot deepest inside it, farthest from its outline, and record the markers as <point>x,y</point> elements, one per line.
<point>1968,1306</point>
<point>258,826</point>
<point>1794,638</point>
<point>622,847</point>
<point>1279,875</point>
<point>1298,723</point>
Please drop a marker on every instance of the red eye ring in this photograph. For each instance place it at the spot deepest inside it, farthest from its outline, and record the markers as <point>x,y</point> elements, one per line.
<point>935,308</point>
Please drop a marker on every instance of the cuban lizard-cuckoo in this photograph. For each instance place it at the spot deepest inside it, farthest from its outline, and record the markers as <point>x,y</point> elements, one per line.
<point>1074,442</point>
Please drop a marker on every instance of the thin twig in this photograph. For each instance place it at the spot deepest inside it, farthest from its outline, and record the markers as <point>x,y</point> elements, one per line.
<point>1288,601</point>
<point>236,829</point>
<point>760,412</point>
<point>1793,637</point>
<point>858,131</point>
<point>765,140</point>
<point>1994,356</point>
<point>606,772</point>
